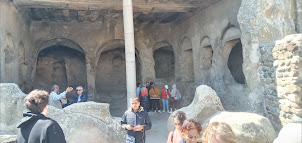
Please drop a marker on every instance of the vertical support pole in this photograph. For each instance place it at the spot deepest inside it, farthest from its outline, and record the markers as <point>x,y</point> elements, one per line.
<point>129,50</point>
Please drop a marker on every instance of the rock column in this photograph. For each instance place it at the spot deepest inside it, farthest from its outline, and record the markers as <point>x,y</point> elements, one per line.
<point>129,49</point>
<point>288,61</point>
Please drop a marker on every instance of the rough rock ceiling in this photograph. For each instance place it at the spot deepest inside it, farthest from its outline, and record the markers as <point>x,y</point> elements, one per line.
<point>145,11</point>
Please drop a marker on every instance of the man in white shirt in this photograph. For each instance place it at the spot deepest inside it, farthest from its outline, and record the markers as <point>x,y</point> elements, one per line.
<point>55,97</point>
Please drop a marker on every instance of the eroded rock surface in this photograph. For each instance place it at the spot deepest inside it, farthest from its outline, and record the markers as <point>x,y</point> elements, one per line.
<point>90,119</point>
<point>205,104</point>
<point>290,133</point>
<point>248,127</point>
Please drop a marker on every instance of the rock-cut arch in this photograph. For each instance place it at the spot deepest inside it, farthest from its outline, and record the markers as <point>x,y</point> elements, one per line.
<point>186,69</point>
<point>233,54</point>
<point>205,53</point>
<point>61,41</point>
<point>164,60</point>
<point>63,62</point>
<point>111,75</point>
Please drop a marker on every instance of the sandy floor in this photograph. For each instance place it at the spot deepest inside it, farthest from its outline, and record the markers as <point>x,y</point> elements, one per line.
<point>158,132</point>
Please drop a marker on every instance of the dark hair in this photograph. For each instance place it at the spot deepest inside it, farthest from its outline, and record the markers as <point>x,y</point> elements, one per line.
<point>36,100</point>
<point>138,84</point>
<point>191,124</point>
<point>180,115</point>
<point>151,83</point>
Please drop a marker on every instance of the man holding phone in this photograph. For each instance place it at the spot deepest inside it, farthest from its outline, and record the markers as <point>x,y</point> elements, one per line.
<point>136,121</point>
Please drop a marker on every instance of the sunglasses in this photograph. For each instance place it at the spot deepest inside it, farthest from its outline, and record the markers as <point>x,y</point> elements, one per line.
<point>79,89</point>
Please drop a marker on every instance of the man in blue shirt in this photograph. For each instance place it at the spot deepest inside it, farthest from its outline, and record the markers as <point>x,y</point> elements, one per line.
<point>55,98</point>
<point>81,97</point>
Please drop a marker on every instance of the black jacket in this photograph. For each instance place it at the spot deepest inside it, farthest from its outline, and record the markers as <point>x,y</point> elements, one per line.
<point>140,117</point>
<point>36,128</point>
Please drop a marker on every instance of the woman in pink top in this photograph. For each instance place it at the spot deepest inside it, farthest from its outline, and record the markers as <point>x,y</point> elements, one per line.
<point>178,118</point>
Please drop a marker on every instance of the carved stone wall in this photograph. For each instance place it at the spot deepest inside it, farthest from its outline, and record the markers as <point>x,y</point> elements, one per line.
<point>288,61</point>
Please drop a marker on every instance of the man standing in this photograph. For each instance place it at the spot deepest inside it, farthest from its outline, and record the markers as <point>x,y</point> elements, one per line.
<point>35,127</point>
<point>81,97</point>
<point>54,98</point>
<point>136,121</point>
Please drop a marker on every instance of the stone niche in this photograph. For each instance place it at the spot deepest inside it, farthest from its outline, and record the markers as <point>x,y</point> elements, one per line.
<point>62,66</point>
<point>111,80</point>
<point>164,62</point>
<point>235,63</point>
<point>287,54</point>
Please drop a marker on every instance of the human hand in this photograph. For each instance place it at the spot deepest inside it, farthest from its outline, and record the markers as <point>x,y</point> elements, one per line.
<point>68,89</point>
<point>129,127</point>
<point>79,100</point>
<point>138,128</point>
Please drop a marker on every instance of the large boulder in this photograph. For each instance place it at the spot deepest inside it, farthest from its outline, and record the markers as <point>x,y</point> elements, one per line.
<point>8,138</point>
<point>11,107</point>
<point>91,120</point>
<point>205,104</point>
<point>290,133</point>
<point>248,127</point>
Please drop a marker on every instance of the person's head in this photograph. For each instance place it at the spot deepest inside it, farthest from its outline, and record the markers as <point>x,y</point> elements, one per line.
<point>55,88</point>
<point>166,86</point>
<point>152,84</point>
<point>178,119</point>
<point>191,130</point>
<point>218,132</point>
<point>79,90</point>
<point>37,101</point>
<point>147,83</point>
<point>135,103</point>
<point>138,85</point>
<point>174,86</point>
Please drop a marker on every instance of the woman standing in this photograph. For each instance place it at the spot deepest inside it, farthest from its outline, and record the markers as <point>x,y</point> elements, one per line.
<point>165,93</point>
<point>174,94</point>
<point>178,118</point>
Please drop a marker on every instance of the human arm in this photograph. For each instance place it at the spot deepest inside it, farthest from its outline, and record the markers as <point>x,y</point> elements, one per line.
<point>170,139</point>
<point>84,98</point>
<point>57,97</point>
<point>125,124</point>
<point>148,123</point>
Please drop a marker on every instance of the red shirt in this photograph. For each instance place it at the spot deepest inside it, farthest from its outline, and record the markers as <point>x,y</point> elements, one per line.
<point>164,93</point>
<point>144,92</point>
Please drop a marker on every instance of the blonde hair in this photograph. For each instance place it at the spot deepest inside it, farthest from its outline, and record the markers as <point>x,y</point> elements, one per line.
<point>134,98</point>
<point>219,130</point>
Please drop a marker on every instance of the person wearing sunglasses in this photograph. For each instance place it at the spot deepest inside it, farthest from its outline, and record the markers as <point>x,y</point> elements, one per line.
<point>81,97</point>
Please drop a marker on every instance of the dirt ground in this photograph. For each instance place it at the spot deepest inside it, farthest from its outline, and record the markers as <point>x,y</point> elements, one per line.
<point>159,132</point>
